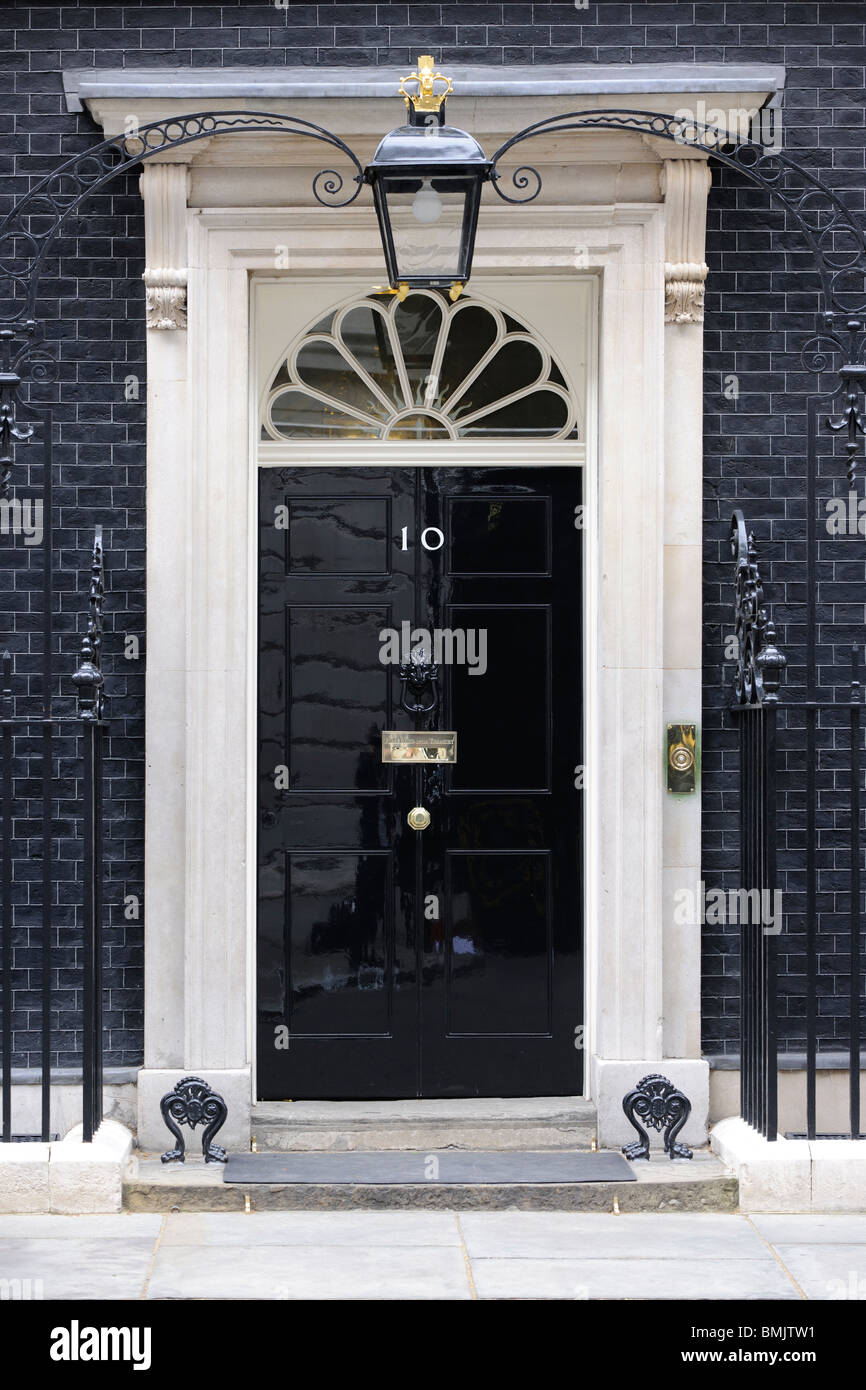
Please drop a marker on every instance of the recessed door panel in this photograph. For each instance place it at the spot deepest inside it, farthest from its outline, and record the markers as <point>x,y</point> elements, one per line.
<point>339,942</point>
<point>508,706</point>
<point>338,698</point>
<point>498,943</point>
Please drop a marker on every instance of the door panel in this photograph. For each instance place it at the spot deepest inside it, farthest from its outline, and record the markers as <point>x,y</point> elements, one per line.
<point>502,995</point>
<point>447,961</point>
<point>337,1004</point>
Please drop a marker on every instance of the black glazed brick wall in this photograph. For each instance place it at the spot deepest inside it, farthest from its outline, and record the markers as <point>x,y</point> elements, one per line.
<point>760,301</point>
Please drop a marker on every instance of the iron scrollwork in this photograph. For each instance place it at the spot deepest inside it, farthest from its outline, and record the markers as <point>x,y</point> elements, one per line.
<point>657,1102</point>
<point>191,1103</point>
<point>19,347</point>
<point>760,663</point>
<point>27,231</point>
<point>418,674</point>
<point>833,235</point>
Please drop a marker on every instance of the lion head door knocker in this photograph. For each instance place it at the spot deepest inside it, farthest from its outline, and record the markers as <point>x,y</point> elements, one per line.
<point>418,675</point>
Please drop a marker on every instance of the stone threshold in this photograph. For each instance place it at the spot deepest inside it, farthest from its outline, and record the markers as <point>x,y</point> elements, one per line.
<point>700,1184</point>
<point>524,1122</point>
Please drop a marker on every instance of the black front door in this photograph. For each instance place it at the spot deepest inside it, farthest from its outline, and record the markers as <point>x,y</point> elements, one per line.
<point>444,961</point>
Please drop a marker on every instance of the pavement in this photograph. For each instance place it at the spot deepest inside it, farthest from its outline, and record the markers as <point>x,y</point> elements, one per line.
<point>436,1255</point>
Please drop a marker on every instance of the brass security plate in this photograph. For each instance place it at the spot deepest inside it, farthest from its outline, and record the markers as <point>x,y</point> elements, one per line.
<point>406,746</point>
<point>681,758</point>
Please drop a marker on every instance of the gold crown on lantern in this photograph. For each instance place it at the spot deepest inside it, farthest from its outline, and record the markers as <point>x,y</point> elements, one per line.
<point>425,97</point>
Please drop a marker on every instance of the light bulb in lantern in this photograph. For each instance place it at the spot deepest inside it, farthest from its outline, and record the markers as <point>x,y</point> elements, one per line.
<point>426,205</point>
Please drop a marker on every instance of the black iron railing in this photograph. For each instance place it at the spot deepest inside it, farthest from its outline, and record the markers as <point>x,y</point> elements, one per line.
<point>828,737</point>
<point>819,751</point>
<point>21,735</point>
<point>760,665</point>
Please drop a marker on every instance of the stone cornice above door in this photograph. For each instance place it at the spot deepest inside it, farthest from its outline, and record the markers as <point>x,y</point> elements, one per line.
<point>361,105</point>
<point>122,90</point>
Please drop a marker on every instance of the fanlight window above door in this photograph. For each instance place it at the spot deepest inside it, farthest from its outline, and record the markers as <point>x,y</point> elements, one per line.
<point>421,369</point>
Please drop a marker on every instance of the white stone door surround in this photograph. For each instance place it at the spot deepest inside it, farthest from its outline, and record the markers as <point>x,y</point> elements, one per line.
<point>200,502</point>
<point>640,231</point>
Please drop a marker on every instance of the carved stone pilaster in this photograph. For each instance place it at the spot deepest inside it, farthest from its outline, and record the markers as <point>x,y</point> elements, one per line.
<point>685,183</point>
<point>164,190</point>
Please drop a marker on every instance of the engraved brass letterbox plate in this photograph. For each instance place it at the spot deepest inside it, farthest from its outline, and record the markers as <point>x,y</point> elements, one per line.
<point>406,746</point>
<point>681,758</point>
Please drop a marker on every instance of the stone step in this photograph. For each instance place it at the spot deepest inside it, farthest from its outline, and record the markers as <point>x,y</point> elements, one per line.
<point>534,1122</point>
<point>700,1184</point>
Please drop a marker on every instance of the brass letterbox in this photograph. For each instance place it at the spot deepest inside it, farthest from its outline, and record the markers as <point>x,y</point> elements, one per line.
<point>407,746</point>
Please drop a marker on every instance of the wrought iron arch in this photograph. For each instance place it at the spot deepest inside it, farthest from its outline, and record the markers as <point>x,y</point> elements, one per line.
<point>820,216</point>
<point>841,269</point>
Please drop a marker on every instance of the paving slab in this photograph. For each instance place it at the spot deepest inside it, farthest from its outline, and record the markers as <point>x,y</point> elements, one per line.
<point>317,1228</point>
<point>637,1236</point>
<point>631,1279</point>
<point>304,1272</point>
<point>827,1271</point>
<point>98,1269</point>
<point>102,1226</point>
<point>827,1229</point>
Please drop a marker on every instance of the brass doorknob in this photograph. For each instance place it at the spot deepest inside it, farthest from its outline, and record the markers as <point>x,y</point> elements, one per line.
<point>419,818</point>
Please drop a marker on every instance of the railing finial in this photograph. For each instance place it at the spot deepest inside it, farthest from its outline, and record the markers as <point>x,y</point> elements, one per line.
<point>88,678</point>
<point>760,663</point>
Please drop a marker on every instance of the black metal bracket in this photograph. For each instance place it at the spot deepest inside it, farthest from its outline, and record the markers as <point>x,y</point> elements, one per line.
<point>192,1103</point>
<point>657,1102</point>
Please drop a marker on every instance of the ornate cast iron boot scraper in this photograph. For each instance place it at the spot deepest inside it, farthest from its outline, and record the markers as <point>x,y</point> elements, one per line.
<point>657,1102</point>
<point>192,1102</point>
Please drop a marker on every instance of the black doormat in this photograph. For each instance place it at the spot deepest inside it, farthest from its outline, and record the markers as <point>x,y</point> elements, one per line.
<point>448,1166</point>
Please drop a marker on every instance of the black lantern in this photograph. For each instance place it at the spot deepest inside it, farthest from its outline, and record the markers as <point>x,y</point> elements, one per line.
<point>426,179</point>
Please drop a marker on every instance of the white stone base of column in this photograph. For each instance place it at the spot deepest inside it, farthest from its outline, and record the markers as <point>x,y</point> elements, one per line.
<point>612,1080</point>
<point>66,1175</point>
<point>792,1175</point>
<point>24,1177</point>
<point>235,1087</point>
<point>89,1177</point>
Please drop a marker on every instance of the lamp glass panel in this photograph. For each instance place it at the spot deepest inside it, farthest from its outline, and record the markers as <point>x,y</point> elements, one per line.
<point>427,218</point>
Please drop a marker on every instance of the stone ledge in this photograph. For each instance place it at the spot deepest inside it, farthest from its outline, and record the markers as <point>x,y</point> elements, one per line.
<point>555,79</point>
<point>792,1175</point>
